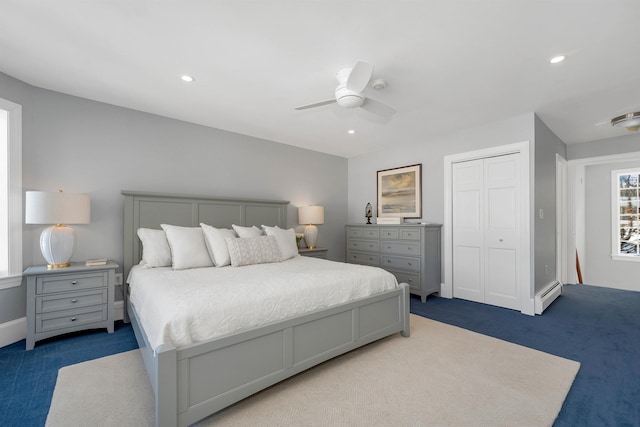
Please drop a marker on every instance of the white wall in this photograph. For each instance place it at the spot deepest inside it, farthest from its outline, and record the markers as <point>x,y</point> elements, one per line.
<point>598,268</point>
<point>80,145</point>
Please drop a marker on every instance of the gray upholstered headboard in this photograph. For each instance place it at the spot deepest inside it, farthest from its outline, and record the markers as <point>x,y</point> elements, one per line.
<point>149,210</point>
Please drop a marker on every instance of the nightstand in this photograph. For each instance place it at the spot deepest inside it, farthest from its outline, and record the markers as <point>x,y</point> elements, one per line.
<point>70,299</point>
<point>314,253</point>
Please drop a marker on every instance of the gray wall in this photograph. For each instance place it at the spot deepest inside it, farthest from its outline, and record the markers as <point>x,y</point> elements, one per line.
<point>80,145</point>
<point>624,144</point>
<point>547,145</point>
<point>598,267</point>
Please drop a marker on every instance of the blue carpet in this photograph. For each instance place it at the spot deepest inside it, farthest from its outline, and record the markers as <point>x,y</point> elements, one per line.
<point>598,327</point>
<point>27,378</point>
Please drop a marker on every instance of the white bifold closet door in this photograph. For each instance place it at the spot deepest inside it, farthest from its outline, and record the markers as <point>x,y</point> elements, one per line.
<point>486,230</point>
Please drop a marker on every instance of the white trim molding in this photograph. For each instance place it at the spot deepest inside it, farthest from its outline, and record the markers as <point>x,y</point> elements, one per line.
<point>13,331</point>
<point>526,284</point>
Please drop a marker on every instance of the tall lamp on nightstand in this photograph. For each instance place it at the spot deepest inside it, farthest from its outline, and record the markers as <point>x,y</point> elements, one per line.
<point>311,215</point>
<point>57,242</point>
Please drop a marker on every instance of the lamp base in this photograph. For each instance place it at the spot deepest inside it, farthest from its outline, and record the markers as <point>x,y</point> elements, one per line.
<point>57,244</point>
<point>52,266</point>
<point>311,235</point>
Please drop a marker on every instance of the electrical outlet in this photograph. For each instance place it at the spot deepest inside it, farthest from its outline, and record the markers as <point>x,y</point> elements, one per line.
<point>118,278</point>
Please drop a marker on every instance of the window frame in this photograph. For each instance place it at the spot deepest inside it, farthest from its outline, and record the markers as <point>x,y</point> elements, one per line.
<point>13,278</point>
<point>615,214</point>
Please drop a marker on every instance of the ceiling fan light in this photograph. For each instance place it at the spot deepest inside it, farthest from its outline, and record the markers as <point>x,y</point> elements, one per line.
<point>350,101</point>
<point>630,121</point>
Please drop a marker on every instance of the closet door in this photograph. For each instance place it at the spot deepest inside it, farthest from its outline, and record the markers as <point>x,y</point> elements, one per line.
<point>486,230</point>
<point>468,230</point>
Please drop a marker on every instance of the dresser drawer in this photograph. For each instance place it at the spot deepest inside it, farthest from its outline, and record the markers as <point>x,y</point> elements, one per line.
<point>401,248</point>
<point>71,282</point>
<point>66,301</point>
<point>410,234</point>
<point>371,233</point>
<point>392,262</point>
<point>363,258</point>
<point>389,233</point>
<point>364,245</point>
<point>354,232</point>
<point>70,318</point>
<point>413,279</point>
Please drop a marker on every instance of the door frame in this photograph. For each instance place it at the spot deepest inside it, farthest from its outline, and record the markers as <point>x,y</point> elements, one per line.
<point>525,275</point>
<point>562,167</point>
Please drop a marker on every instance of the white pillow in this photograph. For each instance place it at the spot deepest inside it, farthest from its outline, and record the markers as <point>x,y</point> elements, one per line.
<point>253,250</point>
<point>155,248</point>
<point>216,244</point>
<point>286,240</point>
<point>188,249</point>
<point>252,231</point>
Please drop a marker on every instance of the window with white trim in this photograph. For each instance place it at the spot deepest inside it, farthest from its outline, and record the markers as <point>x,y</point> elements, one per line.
<point>625,191</point>
<point>10,194</point>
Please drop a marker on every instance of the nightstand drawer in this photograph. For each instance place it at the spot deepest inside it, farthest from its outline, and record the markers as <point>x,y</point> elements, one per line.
<point>70,318</point>
<point>401,248</point>
<point>362,258</point>
<point>364,245</point>
<point>393,262</point>
<point>71,282</point>
<point>68,301</point>
<point>410,234</point>
<point>413,279</point>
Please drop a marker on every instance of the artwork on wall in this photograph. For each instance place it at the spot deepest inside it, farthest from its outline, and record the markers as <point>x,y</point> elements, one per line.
<point>400,192</point>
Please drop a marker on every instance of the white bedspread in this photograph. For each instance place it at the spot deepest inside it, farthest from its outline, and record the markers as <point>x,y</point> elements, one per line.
<point>183,307</point>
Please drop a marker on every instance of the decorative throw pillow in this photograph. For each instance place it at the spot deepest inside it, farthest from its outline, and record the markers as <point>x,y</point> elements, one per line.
<point>188,249</point>
<point>216,243</point>
<point>253,250</point>
<point>286,240</point>
<point>252,231</point>
<point>155,248</point>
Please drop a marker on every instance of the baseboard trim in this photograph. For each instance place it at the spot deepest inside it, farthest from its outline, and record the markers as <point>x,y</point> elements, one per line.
<point>13,331</point>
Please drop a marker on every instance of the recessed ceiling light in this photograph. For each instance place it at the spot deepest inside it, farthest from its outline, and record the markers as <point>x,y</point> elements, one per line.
<point>351,131</point>
<point>557,59</point>
<point>187,78</point>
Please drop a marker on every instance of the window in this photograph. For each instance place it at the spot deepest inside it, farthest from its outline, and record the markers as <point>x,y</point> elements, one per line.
<point>10,194</point>
<point>625,189</point>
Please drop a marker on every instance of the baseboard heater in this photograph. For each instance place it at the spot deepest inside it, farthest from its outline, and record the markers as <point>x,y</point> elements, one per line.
<point>545,297</point>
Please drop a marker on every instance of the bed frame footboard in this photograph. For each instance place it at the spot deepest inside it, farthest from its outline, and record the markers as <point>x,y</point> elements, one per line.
<point>199,380</point>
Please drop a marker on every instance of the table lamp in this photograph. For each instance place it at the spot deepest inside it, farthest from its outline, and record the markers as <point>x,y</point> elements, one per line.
<point>311,215</point>
<point>57,242</point>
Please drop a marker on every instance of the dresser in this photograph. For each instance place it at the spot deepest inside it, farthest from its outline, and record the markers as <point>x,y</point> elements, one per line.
<point>69,299</point>
<point>410,251</point>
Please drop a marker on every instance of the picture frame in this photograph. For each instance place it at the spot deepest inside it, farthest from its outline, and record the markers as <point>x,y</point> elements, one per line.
<point>400,192</point>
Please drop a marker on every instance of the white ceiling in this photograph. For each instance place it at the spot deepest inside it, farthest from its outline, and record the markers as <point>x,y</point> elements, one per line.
<point>449,64</point>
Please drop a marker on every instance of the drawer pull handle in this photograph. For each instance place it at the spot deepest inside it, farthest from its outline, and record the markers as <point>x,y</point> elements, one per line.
<point>408,263</point>
<point>75,282</point>
<point>74,300</point>
<point>410,248</point>
<point>409,234</point>
<point>410,280</point>
<point>355,244</point>
<point>73,319</point>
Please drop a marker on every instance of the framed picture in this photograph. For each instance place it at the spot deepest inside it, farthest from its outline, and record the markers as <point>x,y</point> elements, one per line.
<point>400,192</point>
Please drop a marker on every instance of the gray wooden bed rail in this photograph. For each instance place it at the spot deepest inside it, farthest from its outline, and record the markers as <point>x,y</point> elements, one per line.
<point>195,381</point>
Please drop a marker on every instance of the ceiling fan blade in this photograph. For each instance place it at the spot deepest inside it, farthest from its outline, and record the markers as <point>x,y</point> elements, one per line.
<point>359,76</point>
<point>316,104</point>
<point>378,108</point>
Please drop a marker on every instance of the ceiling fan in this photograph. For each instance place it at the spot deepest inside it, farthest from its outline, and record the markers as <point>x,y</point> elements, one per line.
<point>349,93</point>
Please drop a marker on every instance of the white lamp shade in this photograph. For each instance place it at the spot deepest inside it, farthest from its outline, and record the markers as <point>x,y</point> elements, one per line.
<point>311,215</point>
<point>58,242</point>
<point>42,207</point>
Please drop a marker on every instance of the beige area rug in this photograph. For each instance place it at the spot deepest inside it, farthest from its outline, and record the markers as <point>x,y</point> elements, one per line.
<point>440,376</point>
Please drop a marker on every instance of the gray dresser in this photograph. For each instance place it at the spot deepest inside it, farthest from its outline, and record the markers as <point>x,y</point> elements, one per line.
<point>410,251</point>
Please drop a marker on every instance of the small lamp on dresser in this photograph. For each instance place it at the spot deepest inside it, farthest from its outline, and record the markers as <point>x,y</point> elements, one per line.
<point>311,215</point>
<point>57,242</point>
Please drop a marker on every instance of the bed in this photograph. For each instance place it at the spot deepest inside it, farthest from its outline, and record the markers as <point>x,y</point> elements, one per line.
<point>193,380</point>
